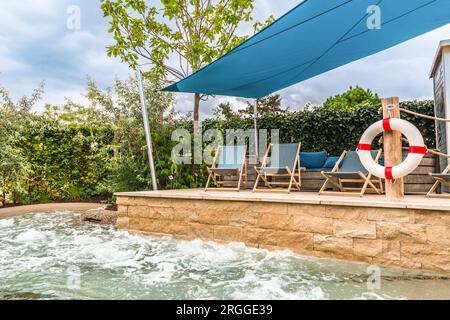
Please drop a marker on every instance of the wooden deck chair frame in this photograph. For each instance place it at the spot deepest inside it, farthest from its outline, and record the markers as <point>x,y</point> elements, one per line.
<point>439,181</point>
<point>214,176</point>
<point>293,173</point>
<point>368,182</point>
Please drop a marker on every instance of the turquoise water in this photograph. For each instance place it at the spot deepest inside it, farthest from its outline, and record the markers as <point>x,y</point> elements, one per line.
<point>54,256</point>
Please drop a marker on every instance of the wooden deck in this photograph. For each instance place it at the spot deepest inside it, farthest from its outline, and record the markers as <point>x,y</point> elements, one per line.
<point>371,201</point>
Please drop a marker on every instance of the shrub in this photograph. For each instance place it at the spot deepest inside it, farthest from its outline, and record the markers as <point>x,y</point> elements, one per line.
<point>333,130</point>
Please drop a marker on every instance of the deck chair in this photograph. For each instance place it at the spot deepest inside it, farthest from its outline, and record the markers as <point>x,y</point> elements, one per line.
<point>349,170</point>
<point>284,162</point>
<point>228,161</point>
<point>441,179</point>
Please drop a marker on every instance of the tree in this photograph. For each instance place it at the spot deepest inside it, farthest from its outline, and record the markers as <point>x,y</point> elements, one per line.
<point>128,166</point>
<point>12,163</point>
<point>352,99</point>
<point>267,105</point>
<point>224,111</point>
<point>191,32</point>
<point>14,118</point>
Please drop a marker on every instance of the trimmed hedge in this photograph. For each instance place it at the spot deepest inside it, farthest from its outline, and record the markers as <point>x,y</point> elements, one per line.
<point>66,162</point>
<point>330,130</point>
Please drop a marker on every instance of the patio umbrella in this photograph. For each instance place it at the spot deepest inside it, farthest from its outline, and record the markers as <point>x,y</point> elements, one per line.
<point>314,37</point>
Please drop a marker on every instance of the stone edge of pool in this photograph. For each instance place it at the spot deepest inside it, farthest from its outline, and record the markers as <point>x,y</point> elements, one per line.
<point>407,235</point>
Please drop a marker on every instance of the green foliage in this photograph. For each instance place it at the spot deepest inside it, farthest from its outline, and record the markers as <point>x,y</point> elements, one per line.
<point>196,32</point>
<point>191,32</point>
<point>333,130</point>
<point>223,111</point>
<point>128,167</point>
<point>14,118</point>
<point>426,126</point>
<point>73,152</point>
<point>268,105</point>
<point>66,160</point>
<point>352,99</point>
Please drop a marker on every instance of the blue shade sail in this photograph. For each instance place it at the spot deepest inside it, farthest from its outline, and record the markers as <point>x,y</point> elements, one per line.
<point>314,37</point>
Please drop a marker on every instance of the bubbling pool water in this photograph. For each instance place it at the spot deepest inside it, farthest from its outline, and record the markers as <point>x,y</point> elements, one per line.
<point>54,256</point>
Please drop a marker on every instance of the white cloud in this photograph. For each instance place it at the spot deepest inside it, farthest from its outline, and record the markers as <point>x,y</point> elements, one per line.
<point>97,60</point>
<point>8,63</point>
<point>60,97</point>
<point>11,65</point>
<point>77,40</point>
<point>29,19</point>
<point>36,45</point>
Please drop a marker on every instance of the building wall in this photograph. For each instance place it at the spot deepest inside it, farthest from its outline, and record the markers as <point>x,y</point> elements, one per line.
<point>446,63</point>
<point>418,239</point>
<point>440,111</point>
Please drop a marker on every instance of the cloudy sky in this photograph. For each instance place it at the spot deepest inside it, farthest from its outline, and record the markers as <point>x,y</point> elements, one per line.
<point>36,45</point>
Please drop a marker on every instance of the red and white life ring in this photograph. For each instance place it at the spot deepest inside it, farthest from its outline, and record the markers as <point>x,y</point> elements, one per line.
<point>417,148</point>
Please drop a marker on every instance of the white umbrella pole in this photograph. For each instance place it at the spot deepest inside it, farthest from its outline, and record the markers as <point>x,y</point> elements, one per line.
<point>255,123</point>
<point>148,137</point>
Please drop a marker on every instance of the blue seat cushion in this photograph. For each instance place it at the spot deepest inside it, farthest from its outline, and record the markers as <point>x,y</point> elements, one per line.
<point>331,161</point>
<point>311,160</point>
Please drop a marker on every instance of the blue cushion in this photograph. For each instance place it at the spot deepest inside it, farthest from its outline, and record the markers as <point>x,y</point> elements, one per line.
<point>311,160</point>
<point>331,161</point>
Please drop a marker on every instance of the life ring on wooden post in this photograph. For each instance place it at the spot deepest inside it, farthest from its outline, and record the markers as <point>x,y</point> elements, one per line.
<point>416,152</point>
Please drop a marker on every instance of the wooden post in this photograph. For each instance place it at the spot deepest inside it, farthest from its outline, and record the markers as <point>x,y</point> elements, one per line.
<point>392,144</point>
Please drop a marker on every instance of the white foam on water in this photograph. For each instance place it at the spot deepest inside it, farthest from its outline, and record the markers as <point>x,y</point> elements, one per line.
<point>36,252</point>
<point>5,223</point>
<point>207,252</point>
<point>162,275</point>
<point>31,235</point>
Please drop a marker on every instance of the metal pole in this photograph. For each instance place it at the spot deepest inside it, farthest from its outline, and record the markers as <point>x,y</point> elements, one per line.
<point>148,137</point>
<point>255,123</point>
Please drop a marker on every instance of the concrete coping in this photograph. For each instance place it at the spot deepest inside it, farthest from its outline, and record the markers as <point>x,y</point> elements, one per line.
<point>410,202</point>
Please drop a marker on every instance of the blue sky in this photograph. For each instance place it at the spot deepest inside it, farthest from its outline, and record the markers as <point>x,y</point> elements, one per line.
<point>36,45</point>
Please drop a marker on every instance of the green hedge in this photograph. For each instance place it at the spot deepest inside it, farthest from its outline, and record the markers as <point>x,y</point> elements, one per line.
<point>66,162</point>
<point>74,161</point>
<point>328,129</point>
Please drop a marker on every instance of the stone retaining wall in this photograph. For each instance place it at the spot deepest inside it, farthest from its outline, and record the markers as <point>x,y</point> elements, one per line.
<point>418,239</point>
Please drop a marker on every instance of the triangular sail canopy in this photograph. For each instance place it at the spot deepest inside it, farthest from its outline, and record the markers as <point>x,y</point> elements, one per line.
<point>314,37</point>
